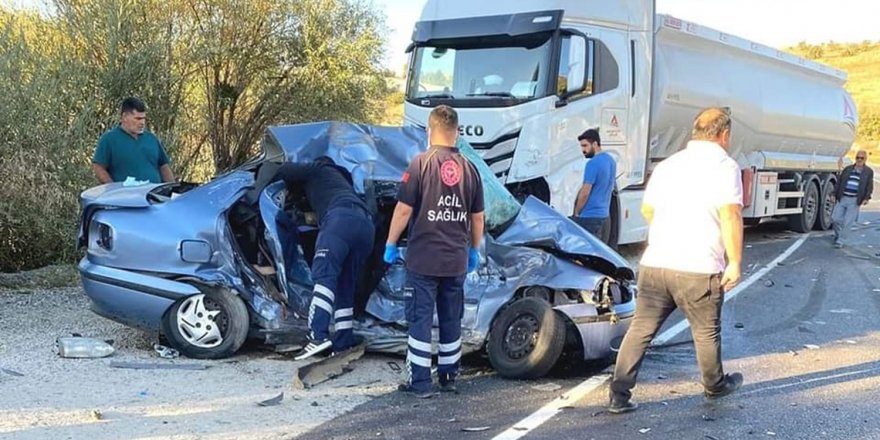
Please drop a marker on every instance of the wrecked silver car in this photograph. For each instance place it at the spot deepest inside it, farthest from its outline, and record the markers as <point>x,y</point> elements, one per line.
<point>212,265</point>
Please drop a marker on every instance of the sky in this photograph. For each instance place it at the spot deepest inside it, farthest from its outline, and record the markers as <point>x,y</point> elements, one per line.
<point>775,23</point>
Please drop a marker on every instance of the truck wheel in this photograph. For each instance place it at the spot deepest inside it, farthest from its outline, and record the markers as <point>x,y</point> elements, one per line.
<point>526,339</point>
<point>804,221</point>
<point>207,326</point>
<point>826,206</point>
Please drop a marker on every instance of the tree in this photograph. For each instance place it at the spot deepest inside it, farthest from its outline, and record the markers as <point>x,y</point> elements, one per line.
<point>214,75</point>
<point>281,61</point>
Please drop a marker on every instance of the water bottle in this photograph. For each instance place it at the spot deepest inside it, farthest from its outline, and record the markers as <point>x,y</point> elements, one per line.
<point>80,347</point>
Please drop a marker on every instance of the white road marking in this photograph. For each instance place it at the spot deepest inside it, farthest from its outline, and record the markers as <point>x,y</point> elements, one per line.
<point>804,382</point>
<point>553,408</point>
<point>681,326</point>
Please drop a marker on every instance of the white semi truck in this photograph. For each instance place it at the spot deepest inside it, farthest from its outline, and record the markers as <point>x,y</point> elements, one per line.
<point>527,77</point>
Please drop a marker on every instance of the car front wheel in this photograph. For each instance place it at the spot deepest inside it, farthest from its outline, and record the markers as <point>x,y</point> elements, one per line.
<point>207,326</point>
<point>526,339</point>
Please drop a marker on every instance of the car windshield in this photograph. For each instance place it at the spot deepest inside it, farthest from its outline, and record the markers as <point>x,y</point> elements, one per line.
<point>500,205</point>
<point>482,69</point>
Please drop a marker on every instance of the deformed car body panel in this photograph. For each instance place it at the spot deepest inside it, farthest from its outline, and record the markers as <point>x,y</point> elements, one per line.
<point>528,245</point>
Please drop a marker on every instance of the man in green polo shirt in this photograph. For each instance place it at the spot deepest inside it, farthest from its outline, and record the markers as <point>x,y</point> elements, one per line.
<point>128,150</point>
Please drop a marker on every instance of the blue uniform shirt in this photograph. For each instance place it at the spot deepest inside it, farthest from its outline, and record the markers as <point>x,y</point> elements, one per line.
<point>600,172</point>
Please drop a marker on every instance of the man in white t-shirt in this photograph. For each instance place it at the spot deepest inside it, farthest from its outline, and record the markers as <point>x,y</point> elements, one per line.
<point>693,205</point>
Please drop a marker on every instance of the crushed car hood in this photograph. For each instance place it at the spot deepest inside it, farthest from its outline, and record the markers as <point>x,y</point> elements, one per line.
<point>540,226</point>
<point>373,153</point>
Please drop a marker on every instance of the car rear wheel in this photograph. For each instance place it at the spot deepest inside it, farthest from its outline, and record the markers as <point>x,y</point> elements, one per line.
<point>207,326</point>
<point>526,339</point>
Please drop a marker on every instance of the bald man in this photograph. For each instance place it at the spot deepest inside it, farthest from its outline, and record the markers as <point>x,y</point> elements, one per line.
<point>854,190</point>
<point>693,205</point>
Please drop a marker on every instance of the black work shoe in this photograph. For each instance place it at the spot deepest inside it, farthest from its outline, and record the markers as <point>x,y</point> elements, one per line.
<point>448,387</point>
<point>405,388</point>
<point>622,407</point>
<point>732,382</point>
<point>314,348</point>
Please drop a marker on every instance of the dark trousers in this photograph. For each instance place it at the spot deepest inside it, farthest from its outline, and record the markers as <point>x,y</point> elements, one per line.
<point>421,294</point>
<point>344,242</point>
<point>661,291</point>
<point>599,227</point>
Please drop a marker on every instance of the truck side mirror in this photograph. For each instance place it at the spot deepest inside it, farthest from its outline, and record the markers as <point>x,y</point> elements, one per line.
<point>577,57</point>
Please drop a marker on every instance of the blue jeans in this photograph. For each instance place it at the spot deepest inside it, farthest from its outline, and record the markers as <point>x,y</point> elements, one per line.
<point>599,227</point>
<point>844,215</point>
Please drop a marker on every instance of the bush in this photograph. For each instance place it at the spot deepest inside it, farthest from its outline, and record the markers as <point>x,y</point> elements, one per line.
<point>214,75</point>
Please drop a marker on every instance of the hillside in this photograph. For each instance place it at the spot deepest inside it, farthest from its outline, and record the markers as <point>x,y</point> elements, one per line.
<point>861,61</point>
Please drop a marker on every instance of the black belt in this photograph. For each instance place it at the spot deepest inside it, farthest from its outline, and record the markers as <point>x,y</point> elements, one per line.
<point>350,205</point>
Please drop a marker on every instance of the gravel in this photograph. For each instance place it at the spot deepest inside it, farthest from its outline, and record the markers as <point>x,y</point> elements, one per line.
<point>59,398</point>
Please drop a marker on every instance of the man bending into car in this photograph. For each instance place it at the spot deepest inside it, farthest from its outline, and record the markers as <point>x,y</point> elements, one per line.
<point>345,240</point>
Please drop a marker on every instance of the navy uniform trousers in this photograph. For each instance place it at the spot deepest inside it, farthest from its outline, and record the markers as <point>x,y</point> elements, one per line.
<point>345,241</point>
<point>421,294</point>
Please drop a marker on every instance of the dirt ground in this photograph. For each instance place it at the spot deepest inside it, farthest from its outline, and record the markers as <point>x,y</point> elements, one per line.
<point>57,398</point>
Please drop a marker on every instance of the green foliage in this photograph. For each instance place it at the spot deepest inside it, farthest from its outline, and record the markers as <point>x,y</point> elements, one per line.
<point>214,75</point>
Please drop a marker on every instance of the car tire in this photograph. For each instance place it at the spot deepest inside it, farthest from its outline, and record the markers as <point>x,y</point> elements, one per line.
<point>526,339</point>
<point>212,325</point>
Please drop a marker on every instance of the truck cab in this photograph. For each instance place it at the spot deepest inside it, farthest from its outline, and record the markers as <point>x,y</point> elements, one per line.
<point>528,77</point>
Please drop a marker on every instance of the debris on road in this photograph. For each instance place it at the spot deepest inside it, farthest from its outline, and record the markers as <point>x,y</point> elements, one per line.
<point>157,366</point>
<point>644,430</point>
<point>771,433</point>
<point>97,414</point>
<point>739,325</point>
<point>273,401</point>
<point>394,366</point>
<point>811,346</point>
<point>331,367</point>
<point>547,387</point>
<point>11,372</point>
<point>769,283</point>
<point>166,352</point>
<point>477,429</point>
<point>708,418</point>
<point>80,347</point>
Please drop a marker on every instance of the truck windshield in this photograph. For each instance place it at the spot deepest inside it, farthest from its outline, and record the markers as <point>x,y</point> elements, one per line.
<point>482,70</point>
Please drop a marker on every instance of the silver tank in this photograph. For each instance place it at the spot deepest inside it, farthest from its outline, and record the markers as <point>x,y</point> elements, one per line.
<point>787,112</point>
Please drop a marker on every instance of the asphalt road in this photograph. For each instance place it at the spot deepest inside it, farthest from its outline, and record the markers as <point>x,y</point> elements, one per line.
<point>804,335</point>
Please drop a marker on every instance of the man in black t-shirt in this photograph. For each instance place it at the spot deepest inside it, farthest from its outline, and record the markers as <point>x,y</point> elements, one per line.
<point>345,241</point>
<point>441,201</point>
